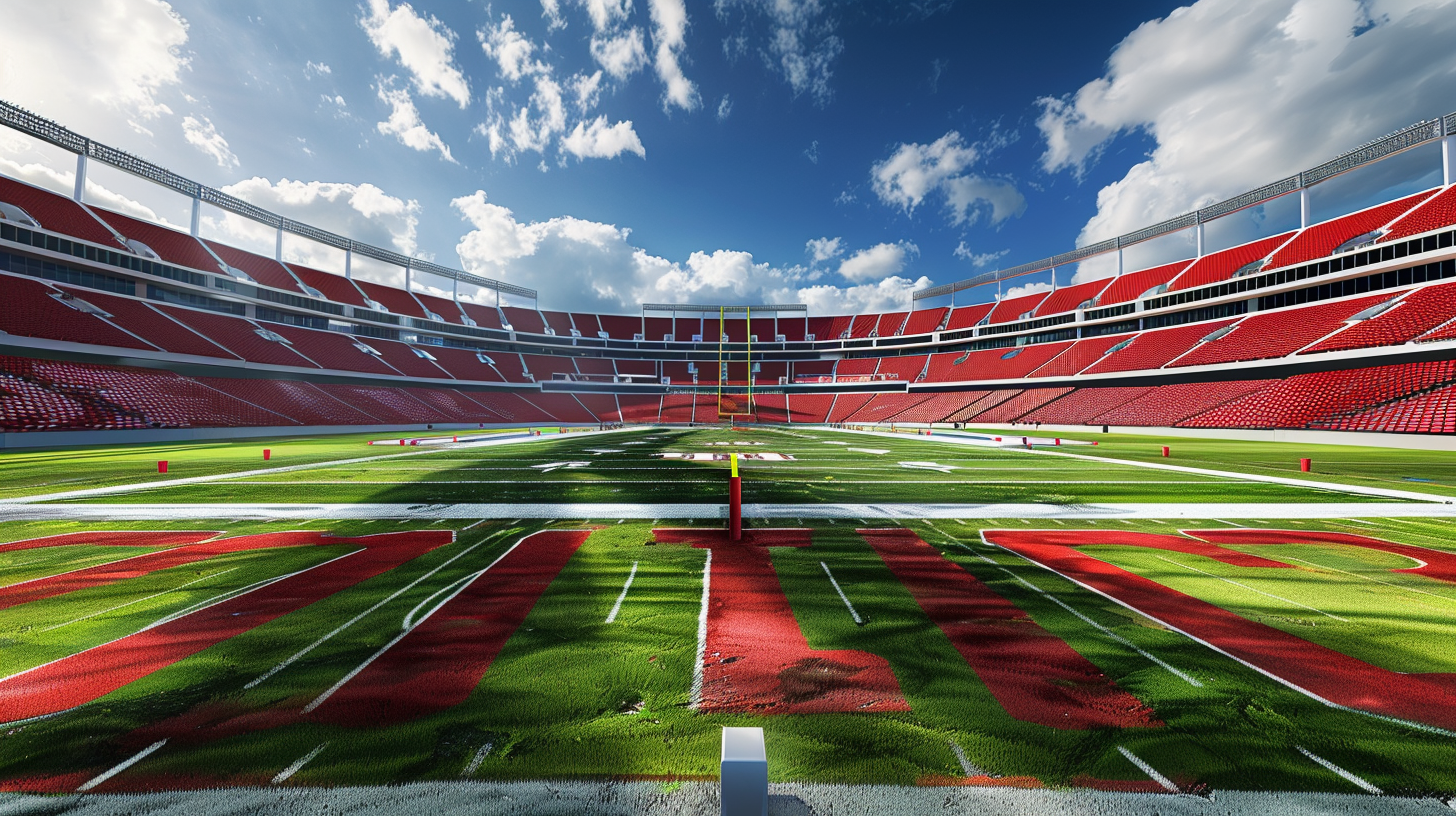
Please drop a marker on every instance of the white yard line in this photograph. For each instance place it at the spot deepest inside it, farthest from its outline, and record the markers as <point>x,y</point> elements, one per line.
<point>319,700</point>
<point>362,615</point>
<point>617,607</point>
<point>1148,769</point>
<point>1368,578</point>
<point>474,764</point>
<point>1340,772</point>
<point>137,757</point>
<point>138,600</point>
<point>695,695</point>
<point>1249,588</point>
<point>847,605</point>
<point>93,566</point>
<point>966,767</point>
<point>298,766</point>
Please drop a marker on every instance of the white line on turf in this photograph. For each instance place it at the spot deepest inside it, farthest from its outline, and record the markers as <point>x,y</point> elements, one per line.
<point>474,764</point>
<point>1341,772</point>
<point>1249,588</point>
<point>1368,578</point>
<point>695,695</point>
<point>138,600</point>
<point>966,767</point>
<point>407,624</point>
<point>298,766</point>
<point>617,607</point>
<point>1124,641</point>
<point>319,700</point>
<point>137,757</point>
<point>362,615</point>
<point>474,525</point>
<point>853,614</point>
<point>1164,781</point>
<point>1229,523</point>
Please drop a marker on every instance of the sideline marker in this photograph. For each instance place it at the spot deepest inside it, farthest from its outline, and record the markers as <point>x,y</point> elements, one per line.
<point>735,502</point>
<point>267,454</point>
<point>162,466</point>
<point>1303,465</point>
<point>743,773</point>
<point>1165,451</point>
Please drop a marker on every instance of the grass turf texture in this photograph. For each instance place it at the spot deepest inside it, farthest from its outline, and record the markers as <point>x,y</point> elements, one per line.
<point>827,467</point>
<point>572,696</point>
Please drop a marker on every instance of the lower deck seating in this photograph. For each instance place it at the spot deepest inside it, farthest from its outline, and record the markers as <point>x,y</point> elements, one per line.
<point>845,405</point>
<point>29,309</point>
<point>1082,406</point>
<point>1014,409</point>
<point>240,337</point>
<point>299,401</point>
<point>810,408</point>
<point>936,408</point>
<point>882,407</point>
<point>1322,397</point>
<point>1167,405</point>
<point>139,318</point>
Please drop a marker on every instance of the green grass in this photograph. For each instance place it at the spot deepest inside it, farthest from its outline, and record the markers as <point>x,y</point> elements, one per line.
<point>572,696</point>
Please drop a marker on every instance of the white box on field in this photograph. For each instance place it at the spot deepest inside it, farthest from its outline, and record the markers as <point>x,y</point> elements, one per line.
<point>743,775</point>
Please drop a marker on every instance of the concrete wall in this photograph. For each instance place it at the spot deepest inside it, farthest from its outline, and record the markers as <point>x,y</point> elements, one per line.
<point>1370,440</point>
<point>142,436</point>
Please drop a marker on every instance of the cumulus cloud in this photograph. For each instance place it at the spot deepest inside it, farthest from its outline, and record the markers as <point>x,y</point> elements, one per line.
<point>823,249</point>
<point>423,45</point>
<point>404,121</point>
<point>64,182</point>
<point>602,141</point>
<point>551,10</point>
<point>606,14</point>
<point>312,69</point>
<point>534,131</point>
<point>725,108</point>
<point>979,260</point>
<point>669,37</point>
<point>915,171</point>
<point>878,262</point>
<point>589,265</point>
<point>587,90</point>
<point>363,212</point>
<point>203,135</point>
<point>1238,93</point>
<point>1025,289</point>
<point>510,49</point>
<point>620,54</point>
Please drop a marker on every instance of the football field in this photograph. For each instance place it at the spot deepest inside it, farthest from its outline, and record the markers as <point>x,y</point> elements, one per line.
<point>903,610</point>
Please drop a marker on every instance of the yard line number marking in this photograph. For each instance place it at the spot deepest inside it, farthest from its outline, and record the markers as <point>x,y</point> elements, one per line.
<point>617,607</point>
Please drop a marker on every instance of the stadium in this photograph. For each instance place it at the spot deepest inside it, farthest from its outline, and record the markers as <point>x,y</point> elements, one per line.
<point>286,535</point>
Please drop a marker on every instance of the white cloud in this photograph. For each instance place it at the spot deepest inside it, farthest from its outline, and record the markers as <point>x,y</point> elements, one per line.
<point>605,14</point>
<point>534,133</point>
<point>621,54</point>
<point>1238,93</point>
<point>914,171</point>
<point>725,108</point>
<point>92,64</point>
<point>878,262</point>
<point>801,45</point>
<point>423,45</point>
<point>510,49</point>
<point>593,266</point>
<point>669,36</point>
<point>312,69</point>
<point>64,182</point>
<point>823,249</point>
<point>551,10</point>
<point>203,135</point>
<point>1025,289</point>
<point>601,141</point>
<point>363,212</point>
<point>587,90</point>
<point>980,260</point>
<point>404,121</point>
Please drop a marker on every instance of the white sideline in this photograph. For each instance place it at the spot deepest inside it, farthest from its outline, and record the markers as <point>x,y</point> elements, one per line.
<point>138,757</point>
<point>617,607</point>
<point>430,513</point>
<point>362,615</point>
<point>853,614</point>
<point>695,695</point>
<point>503,439</point>
<point>1341,772</point>
<point>1149,770</point>
<point>474,764</point>
<point>319,700</point>
<point>297,766</point>
<point>1383,492</point>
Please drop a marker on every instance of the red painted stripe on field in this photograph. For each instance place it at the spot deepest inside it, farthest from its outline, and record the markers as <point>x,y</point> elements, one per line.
<point>441,661</point>
<point>1159,541</point>
<point>756,658</point>
<point>1336,677</point>
<point>104,574</point>
<point>85,676</point>
<point>1438,565</point>
<point>111,538</point>
<point>1031,672</point>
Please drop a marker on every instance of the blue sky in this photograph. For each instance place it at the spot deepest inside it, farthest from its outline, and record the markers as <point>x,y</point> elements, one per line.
<point>842,154</point>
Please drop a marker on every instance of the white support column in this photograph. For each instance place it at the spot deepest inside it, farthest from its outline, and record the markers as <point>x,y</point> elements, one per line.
<point>349,264</point>
<point>1119,261</point>
<point>80,192</point>
<point>196,217</point>
<point>1446,158</point>
<point>278,251</point>
<point>407,270</point>
<point>1054,279</point>
<point>1303,207</point>
<point>455,288</point>
<point>1198,235</point>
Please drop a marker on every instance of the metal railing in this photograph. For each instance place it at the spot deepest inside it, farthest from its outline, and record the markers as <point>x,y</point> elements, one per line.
<point>39,127</point>
<point>1404,139</point>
